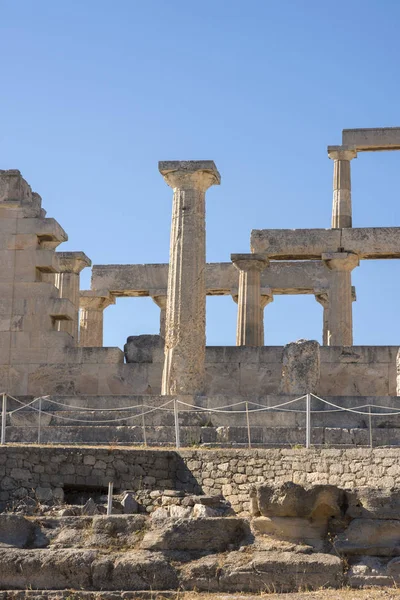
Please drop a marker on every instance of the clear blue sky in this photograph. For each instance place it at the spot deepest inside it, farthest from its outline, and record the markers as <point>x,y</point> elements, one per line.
<point>93,94</point>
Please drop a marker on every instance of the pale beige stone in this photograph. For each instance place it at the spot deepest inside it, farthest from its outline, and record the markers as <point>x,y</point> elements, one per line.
<point>249,326</point>
<point>185,318</point>
<point>160,298</point>
<point>372,139</point>
<point>341,208</point>
<point>70,264</point>
<point>340,312</point>
<point>92,305</point>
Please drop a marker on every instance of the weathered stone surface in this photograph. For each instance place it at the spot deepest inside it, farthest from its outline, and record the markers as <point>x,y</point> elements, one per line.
<point>129,504</point>
<point>90,508</point>
<point>370,571</point>
<point>185,336</point>
<point>140,348</point>
<point>214,534</point>
<point>372,139</point>
<point>301,367</point>
<point>293,529</point>
<point>263,572</point>
<point>373,503</point>
<point>372,537</point>
<point>292,500</point>
<point>16,531</point>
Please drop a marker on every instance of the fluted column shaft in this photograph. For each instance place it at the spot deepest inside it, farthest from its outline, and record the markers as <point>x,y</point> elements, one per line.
<point>185,333</point>
<point>67,280</point>
<point>340,311</point>
<point>341,208</point>
<point>91,319</point>
<point>248,331</point>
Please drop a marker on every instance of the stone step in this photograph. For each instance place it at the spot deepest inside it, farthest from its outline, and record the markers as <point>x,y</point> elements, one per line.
<point>195,435</point>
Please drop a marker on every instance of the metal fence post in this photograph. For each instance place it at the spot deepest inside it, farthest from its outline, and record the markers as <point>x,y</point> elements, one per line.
<point>370,427</point>
<point>144,430</point>
<point>109,497</point>
<point>176,415</point>
<point>39,421</point>
<point>3,419</point>
<point>308,420</point>
<point>248,424</point>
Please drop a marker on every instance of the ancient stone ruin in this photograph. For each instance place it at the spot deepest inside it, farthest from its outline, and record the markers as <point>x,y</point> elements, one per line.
<point>245,507</point>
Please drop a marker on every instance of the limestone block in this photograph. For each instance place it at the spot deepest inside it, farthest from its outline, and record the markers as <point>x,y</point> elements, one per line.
<point>372,537</point>
<point>47,230</point>
<point>292,500</point>
<point>13,187</point>
<point>215,534</point>
<point>373,503</point>
<point>15,530</point>
<point>372,139</point>
<point>140,348</point>
<point>292,529</point>
<point>370,571</point>
<point>301,367</point>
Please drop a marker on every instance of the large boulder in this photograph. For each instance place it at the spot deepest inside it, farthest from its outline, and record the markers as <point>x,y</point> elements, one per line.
<point>204,534</point>
<point>16,531</point>
<point>292,529</point>
<point>293,500</point>
<point>301,367</point>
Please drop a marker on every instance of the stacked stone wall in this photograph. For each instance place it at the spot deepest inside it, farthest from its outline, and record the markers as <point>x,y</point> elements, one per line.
<point>24,471</point>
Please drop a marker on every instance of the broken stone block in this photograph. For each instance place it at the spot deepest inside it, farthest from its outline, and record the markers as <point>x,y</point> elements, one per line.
<point>44,494</point>
<point>301,368</point>
<point>129,504</point>
<point>293,500</point>
<point>201,510</point>
<point>140,348</point>
<point>179,512</point>
<point>90,508</point>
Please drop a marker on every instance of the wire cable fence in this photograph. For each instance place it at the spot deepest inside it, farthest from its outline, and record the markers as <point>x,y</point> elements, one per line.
<point>246,409</point>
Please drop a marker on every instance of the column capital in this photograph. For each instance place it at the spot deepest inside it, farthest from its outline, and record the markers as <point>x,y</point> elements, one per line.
<point>342,152</point>
<point>266,296</point>
<point>250,262</point>
<point>159,297</point>
<point>341,261</point>
<point>190,174</point>
<point>72,262</point>
<point>322,296</point>
<point>95,299</point>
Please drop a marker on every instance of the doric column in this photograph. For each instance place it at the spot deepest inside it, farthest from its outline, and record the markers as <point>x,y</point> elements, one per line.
<point>341,209</point>
<point>340,311</point>
<point>185,328</point>
<point>92,305</point>
<point>70,264</point>
<point>266,298</point>
<point>160,298</point>
<point>248,332</point>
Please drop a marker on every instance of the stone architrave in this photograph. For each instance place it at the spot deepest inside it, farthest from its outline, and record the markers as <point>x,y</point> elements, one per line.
<point>340,310</point>
<point>341,208</point>
<point>266,298</point>
<point>301,367</point>
<point>92,305</point>
<point>159,297</point>
<point>70,264</point>
<point>248,332</point>
<point>398,373</point>
<point>185,331</point>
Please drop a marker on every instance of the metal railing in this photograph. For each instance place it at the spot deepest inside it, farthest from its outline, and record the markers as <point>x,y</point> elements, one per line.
<point>178,407</point>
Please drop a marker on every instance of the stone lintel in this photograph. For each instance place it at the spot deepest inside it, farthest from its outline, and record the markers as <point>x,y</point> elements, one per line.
<point>95,299</point>
<point>372,139</point>
<point>310,244</point>
<point>250,262</point>
<point>342,152</point>
<point>190,174</point>
<point>72,262</point>
<point>159,297</point>
<point>341,261</point>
